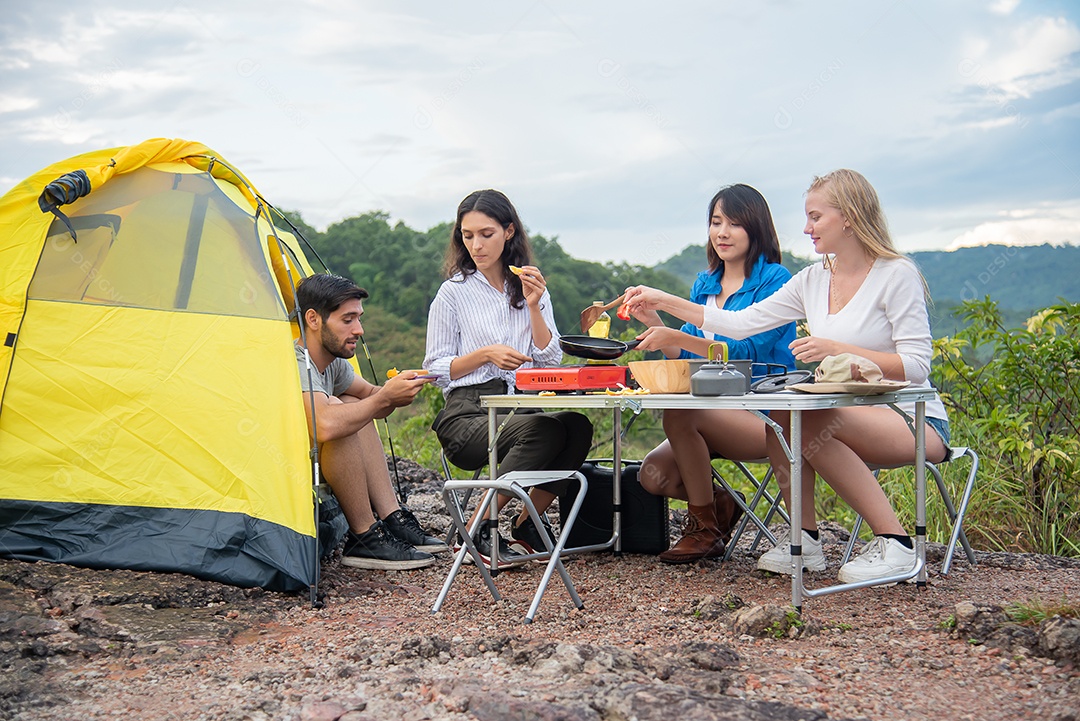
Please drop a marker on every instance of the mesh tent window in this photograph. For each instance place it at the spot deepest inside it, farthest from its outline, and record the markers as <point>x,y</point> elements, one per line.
<point>162,240</point>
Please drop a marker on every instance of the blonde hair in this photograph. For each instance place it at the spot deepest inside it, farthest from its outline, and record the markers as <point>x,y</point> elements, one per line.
<point>851,193</point>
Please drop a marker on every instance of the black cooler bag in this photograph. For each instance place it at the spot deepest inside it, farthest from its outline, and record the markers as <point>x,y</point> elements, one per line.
<point>644,516</point>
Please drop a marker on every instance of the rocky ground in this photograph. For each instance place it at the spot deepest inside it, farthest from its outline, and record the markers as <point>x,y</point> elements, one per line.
<point>709,641</point>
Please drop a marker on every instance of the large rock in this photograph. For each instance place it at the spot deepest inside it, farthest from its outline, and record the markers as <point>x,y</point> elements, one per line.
<point>1059,638</point>
<point>772,622</point>
<point>662,702</point>
<point>977,621</point>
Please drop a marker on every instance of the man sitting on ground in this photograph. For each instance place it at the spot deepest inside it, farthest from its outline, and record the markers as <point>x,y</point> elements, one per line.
<point>345,407</point>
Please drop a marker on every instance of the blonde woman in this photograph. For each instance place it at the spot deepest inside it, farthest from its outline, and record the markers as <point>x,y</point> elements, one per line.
<point>864,298</point>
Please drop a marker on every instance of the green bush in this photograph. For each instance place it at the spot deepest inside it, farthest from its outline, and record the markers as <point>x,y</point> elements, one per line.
<point>1020,410</point>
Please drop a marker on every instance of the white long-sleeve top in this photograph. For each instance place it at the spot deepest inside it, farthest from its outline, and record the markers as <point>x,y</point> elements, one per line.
<point>468,314</point>
<point>887,314</point>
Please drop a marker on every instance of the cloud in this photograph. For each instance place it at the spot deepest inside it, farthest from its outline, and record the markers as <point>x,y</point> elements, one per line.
<point>1031,58</point>
<point>15,103</point>
<point>1004,7</point>
<point>1056,224</point>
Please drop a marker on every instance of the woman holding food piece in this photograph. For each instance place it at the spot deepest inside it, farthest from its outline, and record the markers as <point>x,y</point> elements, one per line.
<point>867,299</point>
<point>492,316</point>
<point>743,254</point>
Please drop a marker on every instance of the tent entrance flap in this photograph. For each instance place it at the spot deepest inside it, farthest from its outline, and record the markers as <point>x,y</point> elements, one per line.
<point>66,189</point>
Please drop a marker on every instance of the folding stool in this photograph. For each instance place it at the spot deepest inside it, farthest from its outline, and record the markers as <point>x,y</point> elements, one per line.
<point>451,533</point>
<point>956,514</point>
<point>515,483</point>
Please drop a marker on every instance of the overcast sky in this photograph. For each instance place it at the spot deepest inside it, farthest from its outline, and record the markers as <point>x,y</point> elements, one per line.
<point>609,124</point>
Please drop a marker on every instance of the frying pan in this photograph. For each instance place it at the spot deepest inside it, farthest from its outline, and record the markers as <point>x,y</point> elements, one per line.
<point>584,346</point>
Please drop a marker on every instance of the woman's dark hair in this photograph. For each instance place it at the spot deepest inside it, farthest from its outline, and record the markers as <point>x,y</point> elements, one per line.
<point>745,206</point>
<point>325,293</point>
<point>517,250</point>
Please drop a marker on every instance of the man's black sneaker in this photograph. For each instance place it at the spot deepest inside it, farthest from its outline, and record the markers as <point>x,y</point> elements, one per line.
<point>527,538</point>
<point>377,548</point>
<point>403,524</point>
<point>482,538</point>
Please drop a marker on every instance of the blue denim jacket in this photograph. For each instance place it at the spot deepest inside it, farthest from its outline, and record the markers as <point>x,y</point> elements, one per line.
<point>765,279</point>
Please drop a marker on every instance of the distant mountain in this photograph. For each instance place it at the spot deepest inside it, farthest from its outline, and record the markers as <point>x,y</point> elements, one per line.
<point>1025,278</point>
<point>1022,279</point>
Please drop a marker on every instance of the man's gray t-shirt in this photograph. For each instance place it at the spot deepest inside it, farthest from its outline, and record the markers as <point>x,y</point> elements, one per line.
<point>334,381</point>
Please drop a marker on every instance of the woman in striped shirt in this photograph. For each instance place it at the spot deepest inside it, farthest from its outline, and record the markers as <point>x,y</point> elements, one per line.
<point>492,316</point>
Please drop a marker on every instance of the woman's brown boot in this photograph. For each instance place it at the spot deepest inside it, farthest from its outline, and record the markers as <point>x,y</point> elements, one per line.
<point>701,537</point>
<point>728,512</point>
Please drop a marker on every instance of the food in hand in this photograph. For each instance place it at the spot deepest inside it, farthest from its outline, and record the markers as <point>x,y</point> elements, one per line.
<point>516,270</point>
<point>624,311</point>
<point>394,372</point>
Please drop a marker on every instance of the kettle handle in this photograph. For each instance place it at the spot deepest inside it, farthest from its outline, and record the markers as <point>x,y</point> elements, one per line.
<point>712,351</point>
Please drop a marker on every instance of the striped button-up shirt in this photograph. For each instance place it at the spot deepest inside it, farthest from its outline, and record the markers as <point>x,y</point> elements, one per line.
<point>468,314</point>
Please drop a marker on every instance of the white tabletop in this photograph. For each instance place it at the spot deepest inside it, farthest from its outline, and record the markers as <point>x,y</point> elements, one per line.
<point>783,400</point>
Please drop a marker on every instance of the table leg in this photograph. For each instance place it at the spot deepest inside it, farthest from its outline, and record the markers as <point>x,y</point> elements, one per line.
<point>795,512</point>
<point>492,510</point>
<point>616,478</point>
<point>920,491</point>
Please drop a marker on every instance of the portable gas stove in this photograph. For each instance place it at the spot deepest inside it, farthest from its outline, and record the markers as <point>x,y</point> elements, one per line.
<point>572,379</point>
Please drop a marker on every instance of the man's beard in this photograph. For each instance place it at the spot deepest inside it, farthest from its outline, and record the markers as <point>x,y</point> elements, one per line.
<point>334,346</point>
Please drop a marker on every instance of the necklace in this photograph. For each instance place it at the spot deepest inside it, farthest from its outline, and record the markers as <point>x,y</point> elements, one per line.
<point>834,295</point>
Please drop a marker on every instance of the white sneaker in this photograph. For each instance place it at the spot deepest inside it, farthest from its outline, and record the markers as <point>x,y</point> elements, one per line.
<point>879,558</point>
<point>779,560</point>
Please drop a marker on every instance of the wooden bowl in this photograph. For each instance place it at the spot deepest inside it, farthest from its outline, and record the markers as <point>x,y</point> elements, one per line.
<point>662,376</point>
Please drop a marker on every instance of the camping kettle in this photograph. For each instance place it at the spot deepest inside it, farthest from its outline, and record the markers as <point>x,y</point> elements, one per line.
<point>718,378</point>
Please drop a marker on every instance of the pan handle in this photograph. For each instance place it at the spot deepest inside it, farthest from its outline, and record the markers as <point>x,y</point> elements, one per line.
<point>633,344</point>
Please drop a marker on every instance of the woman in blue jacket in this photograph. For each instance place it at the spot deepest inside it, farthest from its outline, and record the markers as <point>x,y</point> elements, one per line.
<point>744,267</point>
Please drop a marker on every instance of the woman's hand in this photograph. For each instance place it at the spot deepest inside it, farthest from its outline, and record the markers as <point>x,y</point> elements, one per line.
<point>505,357</point>
<point>660,337</point>
<point>812,348</point>
<point>641,299</point>
<point>645,317</point>
<point>533,284</point>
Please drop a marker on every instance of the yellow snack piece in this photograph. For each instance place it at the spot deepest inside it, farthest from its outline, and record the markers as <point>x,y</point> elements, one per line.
<point>391,373</point>
<point>516,270</point>
<point>624,391</point>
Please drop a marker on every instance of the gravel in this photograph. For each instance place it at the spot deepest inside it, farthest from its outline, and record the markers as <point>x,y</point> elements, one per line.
<point>706,641</point>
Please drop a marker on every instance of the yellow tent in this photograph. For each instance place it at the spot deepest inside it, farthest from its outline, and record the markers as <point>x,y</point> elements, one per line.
<point>150,406</point>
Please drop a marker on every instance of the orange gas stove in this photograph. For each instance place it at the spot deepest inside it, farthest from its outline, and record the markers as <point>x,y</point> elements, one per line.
<point>572,379</point>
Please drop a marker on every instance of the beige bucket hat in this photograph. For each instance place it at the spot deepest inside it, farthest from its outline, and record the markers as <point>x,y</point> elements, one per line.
<point>849,373</point>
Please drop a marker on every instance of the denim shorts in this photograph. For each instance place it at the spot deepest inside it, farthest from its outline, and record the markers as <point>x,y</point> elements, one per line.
<point>941,427</point>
